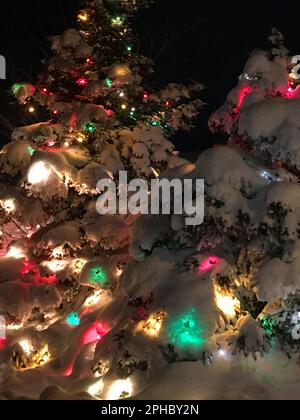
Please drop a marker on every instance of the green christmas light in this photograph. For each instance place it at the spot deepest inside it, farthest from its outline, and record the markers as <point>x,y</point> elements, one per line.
<point>31,150</point>
<point>89,128</point>
<point>155,123</point>
<point>132,112</point>
<point>98,276</point>
<point>16,87</point>
<point>73,319</point>
<point>186,331</point>
<point>129,48</point>
<point>109,82</point>
<point>268,324</point>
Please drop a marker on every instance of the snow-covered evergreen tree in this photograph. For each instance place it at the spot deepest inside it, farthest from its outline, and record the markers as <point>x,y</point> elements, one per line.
<point>229,287</point>
<point>61,261</point>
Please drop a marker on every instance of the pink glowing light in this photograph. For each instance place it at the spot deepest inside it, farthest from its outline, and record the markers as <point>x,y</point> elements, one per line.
<point>291,93</point>
<point>48,280</point>
<point>94,333</point>
<point>89,61</point>
<point>68,371</point>
<point>209,264</point>
<point>243,94</point>
<point>50,143</point>
<point>29,267</point>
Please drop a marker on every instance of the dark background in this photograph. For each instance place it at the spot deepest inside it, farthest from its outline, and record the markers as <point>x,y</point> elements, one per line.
<point>189,40</point>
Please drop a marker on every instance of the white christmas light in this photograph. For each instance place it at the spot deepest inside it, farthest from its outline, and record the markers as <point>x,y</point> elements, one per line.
<point>15,252</point>
<point>57,252</point>
<point>26,346</point>
<point>38,173</point>
<point>119,272</point>
<point>94,299</point>
<point>56,265</point>
<point>9,205</point>
<point>120,389</point>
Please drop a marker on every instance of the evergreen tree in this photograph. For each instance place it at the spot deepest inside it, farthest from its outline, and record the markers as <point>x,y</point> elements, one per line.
<point>61,262</point>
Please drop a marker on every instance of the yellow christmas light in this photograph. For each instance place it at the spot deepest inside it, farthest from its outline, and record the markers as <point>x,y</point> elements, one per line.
<point>227,304</point>
<point>83,16</point>
<point>81,138</point>
<point>120,389</point>
<point>152,327</point>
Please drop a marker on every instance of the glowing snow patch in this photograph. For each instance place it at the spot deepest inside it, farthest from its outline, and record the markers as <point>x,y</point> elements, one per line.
<point>56,265</point>
<point>227,304</point>
<point>186,331</point>
<point>120,389</point>
<point>96,388</point>
<point>38,173</point>
<point>209,264</point>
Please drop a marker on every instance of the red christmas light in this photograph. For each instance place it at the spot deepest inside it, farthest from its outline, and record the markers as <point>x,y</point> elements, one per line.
<point>44,90</point>
<point>146,96</point>
<point>2,343</point>
<point>109,112</point>
<point>89,61</point>
<point>83,81</point>
<point>50,143</point>
<point>31,269</point>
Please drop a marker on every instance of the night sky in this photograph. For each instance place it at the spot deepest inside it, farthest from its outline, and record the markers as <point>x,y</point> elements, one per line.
<point>201,41</point>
